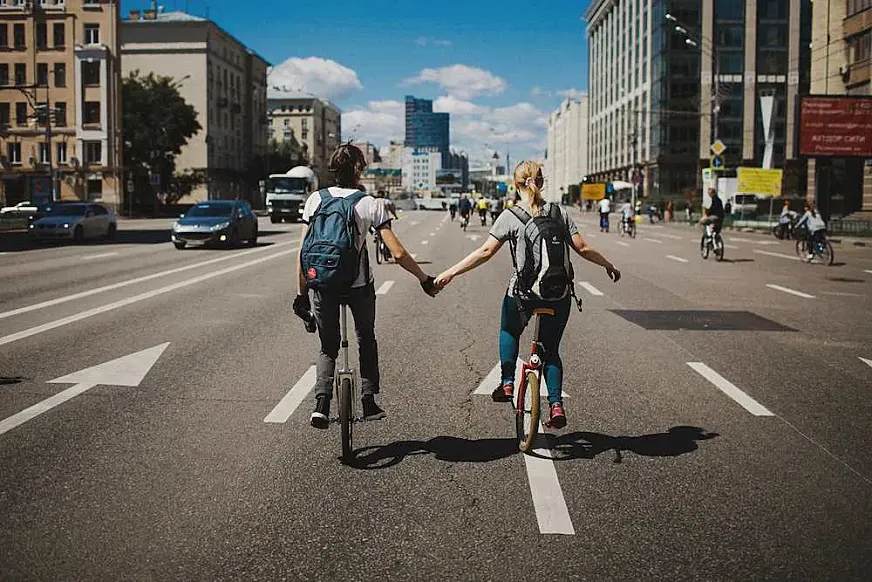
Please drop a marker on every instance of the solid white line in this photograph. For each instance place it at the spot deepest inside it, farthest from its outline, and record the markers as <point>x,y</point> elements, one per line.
<point>100,256</point>
<point>791,291</point>
<point>127,301</point>
<point>90,292</point>
<point>287,405</point>
<point>779,255</point>
<point>867,362</point>
<point>674,258</point>
<point>730,390</point>
<point>425,242</point>
<point>841,294</point>
<point>590,288</point>
<point>548,501</point>
<point>623,244</point>
<point>653,240</point>
<point>385,287</point>
<point>44,406</point>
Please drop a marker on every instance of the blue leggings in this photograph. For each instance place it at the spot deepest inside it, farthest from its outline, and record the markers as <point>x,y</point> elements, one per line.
<point>512,325</point>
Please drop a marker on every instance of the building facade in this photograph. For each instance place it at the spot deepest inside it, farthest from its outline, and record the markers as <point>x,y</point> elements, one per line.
<point>425,130</point>
<point>221,78</point>
<point>317,125</point>
<point>566,160</point>
<point>669,78</point>
<point>370,152</point>
<point>419,169</point>
<point>60,101</point>
<point>841,64</point>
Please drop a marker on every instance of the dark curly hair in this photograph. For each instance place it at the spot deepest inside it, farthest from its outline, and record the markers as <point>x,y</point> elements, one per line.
<point>346,163</point>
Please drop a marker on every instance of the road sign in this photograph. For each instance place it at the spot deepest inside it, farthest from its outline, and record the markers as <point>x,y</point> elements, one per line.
<point>718,147</point>
<point>716,163</point>
<point>593,191</point>
<point>759,181</point>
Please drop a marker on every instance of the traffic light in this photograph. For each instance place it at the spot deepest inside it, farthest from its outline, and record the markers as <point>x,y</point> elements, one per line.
<point>716,162</point>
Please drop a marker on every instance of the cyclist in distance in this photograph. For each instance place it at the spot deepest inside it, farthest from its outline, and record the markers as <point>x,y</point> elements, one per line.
<point>714,215</point>
<point>465,208</point>
<point>816,226</point>
<point>627,213</point>
<point>452,209</point>
<point>517,304</point>
<point>605,206</point>
<point>347,163</point>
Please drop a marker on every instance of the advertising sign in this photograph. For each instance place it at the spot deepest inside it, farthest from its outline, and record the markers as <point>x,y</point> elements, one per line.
<point>835,126</point>
<point>590,191</point>
<point>759,181</point>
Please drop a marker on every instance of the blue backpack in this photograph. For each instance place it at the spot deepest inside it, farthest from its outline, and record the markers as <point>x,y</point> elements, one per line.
<point>329,256</point>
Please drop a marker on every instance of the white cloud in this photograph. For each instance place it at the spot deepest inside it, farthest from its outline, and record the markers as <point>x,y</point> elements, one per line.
<point>379,122</point>
<point>455,106</point>
<point>540,92</point>
<point>424,41</point>
<point>321,77</point>
<point>461,81</point>
<point>519,128</point>
<point>571,93</point>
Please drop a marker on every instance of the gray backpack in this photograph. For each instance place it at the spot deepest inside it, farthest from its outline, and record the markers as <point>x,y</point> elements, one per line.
<point>547,271</point>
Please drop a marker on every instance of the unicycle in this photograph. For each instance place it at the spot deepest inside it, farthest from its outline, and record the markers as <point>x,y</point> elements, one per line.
<point>527,399</point>
<point>345,387</point>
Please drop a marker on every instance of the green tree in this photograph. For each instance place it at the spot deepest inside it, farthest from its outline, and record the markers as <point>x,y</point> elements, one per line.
<point>156,124</point>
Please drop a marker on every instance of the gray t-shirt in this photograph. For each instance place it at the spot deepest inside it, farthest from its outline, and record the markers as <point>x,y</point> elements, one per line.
<point>509,228</point>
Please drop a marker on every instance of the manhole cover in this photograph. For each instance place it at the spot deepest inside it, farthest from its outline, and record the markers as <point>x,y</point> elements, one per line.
<point>700,320</point>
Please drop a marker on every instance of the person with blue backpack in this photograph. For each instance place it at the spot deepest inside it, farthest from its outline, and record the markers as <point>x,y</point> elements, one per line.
<point>333,262</point>
<point>540,235</point>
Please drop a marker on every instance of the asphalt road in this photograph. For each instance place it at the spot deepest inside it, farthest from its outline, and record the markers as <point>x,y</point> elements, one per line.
<point>719,418</point>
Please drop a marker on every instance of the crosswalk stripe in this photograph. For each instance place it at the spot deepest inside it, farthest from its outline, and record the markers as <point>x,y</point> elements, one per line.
<point>287,405</point>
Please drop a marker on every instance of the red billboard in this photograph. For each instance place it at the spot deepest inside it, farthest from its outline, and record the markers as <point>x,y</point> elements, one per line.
<point>835,126</point>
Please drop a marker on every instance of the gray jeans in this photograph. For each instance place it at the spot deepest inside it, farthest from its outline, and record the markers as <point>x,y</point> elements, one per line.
<point>361,301</point>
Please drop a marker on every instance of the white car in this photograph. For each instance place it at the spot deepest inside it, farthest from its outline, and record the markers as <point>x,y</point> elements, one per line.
<point>77,221</point>
<point>20,210</point>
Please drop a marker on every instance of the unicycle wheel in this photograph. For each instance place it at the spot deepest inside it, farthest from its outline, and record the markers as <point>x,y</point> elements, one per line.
<point>527,412</point>
<point>346,420</point>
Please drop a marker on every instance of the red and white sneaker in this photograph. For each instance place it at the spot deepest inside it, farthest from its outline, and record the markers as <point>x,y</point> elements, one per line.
<point>557,418</point>
<point>503,392</point>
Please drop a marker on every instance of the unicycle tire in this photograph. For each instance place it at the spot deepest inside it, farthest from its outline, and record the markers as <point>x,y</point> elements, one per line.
<point>527,412</point>
<point>345,420</point>
<point>378,254</point>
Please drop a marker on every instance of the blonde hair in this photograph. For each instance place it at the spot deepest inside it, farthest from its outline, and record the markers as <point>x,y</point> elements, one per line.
<point>528,177</point>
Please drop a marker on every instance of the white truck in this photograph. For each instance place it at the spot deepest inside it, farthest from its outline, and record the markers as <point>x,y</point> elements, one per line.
<point>287,193</point>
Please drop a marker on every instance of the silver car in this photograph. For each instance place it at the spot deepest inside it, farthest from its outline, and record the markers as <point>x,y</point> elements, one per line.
<point>76,221</point>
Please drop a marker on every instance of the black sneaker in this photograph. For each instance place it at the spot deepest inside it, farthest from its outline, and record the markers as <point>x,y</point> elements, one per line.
<point>371,410</point>
<point>503,392</point>
<point>321,417</point>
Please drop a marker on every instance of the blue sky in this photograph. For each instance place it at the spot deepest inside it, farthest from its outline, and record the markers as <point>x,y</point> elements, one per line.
<point>497,67</point>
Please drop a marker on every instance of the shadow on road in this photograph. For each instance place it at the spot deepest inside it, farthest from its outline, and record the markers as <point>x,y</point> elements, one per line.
<point>678,440</point>
<point>21,241</point>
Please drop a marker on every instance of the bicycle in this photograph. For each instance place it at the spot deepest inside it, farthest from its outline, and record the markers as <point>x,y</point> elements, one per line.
<point>628,228</point>
<point>464,221</point>
<point>712,241</point>
<point>382,253</point>
<point>821,248</point>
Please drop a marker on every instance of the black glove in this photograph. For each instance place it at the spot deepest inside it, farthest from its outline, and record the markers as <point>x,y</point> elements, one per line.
<point>429,286</point>
<point>302,306</point>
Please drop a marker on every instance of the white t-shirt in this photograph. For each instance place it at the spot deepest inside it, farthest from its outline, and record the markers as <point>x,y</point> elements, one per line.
<point>627,210</point>
<point>369,212</point>
<point>605,205</point>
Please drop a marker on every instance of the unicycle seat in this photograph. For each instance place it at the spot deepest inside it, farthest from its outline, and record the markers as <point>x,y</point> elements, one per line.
<point>544,311</point>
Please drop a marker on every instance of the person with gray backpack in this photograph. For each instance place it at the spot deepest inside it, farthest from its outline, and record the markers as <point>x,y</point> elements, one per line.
<point>540,235</point>
<point>333,262</point>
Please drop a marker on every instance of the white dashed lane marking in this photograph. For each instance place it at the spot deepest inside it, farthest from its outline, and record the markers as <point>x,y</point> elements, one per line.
<point>730,389</point>
<point>425,242</point>
<point>677,259</point>
<point>653,240</point>
<point>100,256</point>
<point>623,244</point>
<point>287,405</point>
<point>385,287</point>
<point>590,288</point>
<point>790,291</point>
<point>779,255</point>
<point>867,362</point>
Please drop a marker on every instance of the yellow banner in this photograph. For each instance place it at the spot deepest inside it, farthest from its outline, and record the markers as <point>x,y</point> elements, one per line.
<point>759,181</point>
<point>593,191</point>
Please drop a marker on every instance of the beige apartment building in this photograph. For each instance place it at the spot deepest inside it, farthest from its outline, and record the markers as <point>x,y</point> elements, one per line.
<point>315,123</point>
<point>841,64</point>
<point>223,79</point>
<point>59,101</point>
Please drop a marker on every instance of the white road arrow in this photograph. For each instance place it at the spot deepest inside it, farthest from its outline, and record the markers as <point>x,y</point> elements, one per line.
<point>127,371</point>
<point>493,378</point>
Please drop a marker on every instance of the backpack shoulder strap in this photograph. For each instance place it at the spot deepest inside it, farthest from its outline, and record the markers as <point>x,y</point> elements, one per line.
<point>325,194</point>
<point>520,214</point>
<point>356,197</point>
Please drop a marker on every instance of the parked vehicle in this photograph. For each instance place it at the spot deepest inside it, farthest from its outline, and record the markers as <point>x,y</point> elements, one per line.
<point>217,221</point>
<point>743,204</point>
<point>286,194</point>
<point>20,210</point>
<point>75,221</point>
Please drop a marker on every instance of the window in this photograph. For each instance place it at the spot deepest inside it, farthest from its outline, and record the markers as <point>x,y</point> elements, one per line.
<point>304,134</point>
<point>4,74</point>
<point>18,35</point>
<point>855,6</point>
<point>4,35</point>
<point>60,34</point>
<point>287,134</point>
<point>93,152</point>
<point>21,114</point>
<point>13,152</point>
<point>92,2</point>
<point>43,153</point>
<point>20,74</point>
<point>61,152</point>
<point>4,115</point>
<point>60,74</point>
<point>92,34</point>
<point>286,122</point>
<point>41,35</point>
<point>60,113</point>
<point>95,190</point>
<point>860,47</point>
<point>91,73</point>
<point>42,74</point>
<point>91,113</point>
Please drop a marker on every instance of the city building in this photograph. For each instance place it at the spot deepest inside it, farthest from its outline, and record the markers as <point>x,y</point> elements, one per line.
<point>222,79</point>
<point>370,152</point>
<point>382,180</point>
<point>566,157</point>
<point>669,78</point>
<point>60,101</point>
<point>393,158</point>
<point>841,64</point>
<point>419,169</point>
<point>425,130</point>
<point>316,123</point>
<point>459,163</point>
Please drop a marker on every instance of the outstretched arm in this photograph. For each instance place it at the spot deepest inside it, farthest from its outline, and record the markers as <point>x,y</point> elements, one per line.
<point>477,257</point>
<point>589,254</point>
